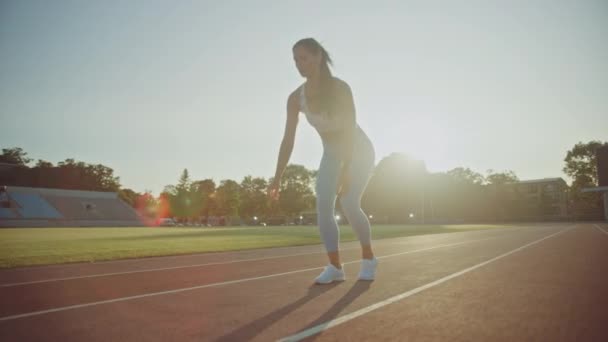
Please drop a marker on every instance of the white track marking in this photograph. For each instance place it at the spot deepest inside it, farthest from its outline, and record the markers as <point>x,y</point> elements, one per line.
<point>183,256</point>
<point>343,319</point>
<point>154,269</point>
<point>177,267</point>
<point>237,281</point>
<point>600,229</point>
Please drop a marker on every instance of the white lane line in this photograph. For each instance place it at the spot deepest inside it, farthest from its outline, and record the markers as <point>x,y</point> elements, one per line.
<point>152,294</point>
<point>152,270</point>
<point>199,254</point>
<point>164,257</point>
<point>600,229</point>
<point>179,267</point>
<point>343,319</point>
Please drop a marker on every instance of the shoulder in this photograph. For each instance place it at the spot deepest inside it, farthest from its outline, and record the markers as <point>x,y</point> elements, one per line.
<point>340,86</point>
<point>293,100</point>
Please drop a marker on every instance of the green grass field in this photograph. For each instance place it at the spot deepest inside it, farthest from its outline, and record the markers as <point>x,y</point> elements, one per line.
<point>41,246</point>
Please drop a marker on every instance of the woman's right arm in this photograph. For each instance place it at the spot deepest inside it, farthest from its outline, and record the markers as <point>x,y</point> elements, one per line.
<point>293,109</point>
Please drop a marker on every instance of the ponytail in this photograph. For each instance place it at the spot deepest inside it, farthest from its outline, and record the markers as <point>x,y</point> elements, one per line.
<point>326,81</point>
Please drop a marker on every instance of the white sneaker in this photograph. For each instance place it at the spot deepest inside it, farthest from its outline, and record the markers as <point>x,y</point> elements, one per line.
<point>330,274</point>
<point>368,269</point>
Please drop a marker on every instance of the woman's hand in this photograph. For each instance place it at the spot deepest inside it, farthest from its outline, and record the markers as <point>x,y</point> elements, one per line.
<point>273,190</point>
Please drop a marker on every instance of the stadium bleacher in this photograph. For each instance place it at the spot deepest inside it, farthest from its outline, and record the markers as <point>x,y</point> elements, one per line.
<point>36,207</point>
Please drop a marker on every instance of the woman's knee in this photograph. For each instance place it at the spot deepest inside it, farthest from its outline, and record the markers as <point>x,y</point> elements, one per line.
<point>326,203</point>
<point>350,204</point>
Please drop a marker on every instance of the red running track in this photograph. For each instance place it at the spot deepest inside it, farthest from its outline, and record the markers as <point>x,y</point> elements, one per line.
<point>537,283</point>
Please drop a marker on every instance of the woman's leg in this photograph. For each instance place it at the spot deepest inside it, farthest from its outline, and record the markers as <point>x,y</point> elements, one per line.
<point>360,171</point>
<point>351,205</point>
<point>327,182</point>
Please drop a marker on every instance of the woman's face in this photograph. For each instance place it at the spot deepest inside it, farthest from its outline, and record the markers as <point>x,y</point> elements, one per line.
<point>306,62</point>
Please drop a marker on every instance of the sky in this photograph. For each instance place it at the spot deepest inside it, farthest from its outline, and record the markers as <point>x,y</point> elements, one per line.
<point>149,88</point>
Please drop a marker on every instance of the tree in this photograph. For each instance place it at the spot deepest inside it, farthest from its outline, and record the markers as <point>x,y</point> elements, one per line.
<point>181,197</point>
<point>455,196</point>
<point>68,174</point>
<point>184,181</point>
<point>581,163</point>
<point>144,204</point>
<point>466,175</point>
<point>179,202</point>
<point>14,155</point>
<point>205,186</point>
<point>296,194</point>
<point>163,208</point>
<point>227,197</point>
<point>503,200</point>
<point>129,196</point>
<point>43,164</point>
<point>499,178</point>
<point>202,196</point>
<point>253,197</point>
<point>147,206</point>
<point>82,176</point>
<point>396,189</point>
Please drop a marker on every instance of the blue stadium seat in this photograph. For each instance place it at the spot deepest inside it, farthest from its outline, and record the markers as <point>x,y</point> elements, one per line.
<point>33,206</point>
<point>7,213</point>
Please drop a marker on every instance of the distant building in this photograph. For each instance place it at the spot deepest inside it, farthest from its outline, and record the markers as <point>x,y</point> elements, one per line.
<point>601,155</point>
<point>537,200</point>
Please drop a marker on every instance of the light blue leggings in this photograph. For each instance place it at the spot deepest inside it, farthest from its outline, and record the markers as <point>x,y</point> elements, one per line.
<point>360,170</point>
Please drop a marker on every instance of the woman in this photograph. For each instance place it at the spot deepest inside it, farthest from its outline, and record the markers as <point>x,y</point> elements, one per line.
<point>348,155</point>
